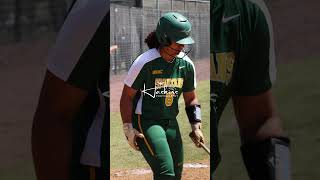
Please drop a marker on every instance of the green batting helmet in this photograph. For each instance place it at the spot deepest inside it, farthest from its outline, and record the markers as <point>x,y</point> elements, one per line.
<point>173,27</point>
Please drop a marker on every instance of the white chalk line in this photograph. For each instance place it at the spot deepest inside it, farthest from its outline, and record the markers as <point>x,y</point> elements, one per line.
<point>144,171</point>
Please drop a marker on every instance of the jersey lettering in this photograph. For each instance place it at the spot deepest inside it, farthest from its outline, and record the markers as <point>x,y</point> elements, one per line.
<point>168,82</point>
<point>222,67</point>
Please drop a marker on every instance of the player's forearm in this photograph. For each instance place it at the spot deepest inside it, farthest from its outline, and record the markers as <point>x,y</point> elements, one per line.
<point>126,108</point>
<point>51,147</point>
<point>190,98</point>
<point>192,102</point>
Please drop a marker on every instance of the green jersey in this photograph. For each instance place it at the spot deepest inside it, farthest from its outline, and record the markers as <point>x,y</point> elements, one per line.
<point>242,52</point>
<point>241,55</point>
<point>160,83</point>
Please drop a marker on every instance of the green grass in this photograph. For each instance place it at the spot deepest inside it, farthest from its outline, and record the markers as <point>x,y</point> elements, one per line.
<point>297,91</point>
<point>18,171</point>
<point>123,157</point>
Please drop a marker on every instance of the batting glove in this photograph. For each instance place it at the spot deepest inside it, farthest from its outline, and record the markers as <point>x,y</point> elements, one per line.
<point>196,134</point>
<point>132,135</point>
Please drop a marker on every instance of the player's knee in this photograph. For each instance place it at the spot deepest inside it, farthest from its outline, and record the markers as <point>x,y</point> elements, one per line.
<point>268,159</point>
<point>164,173</point>
<point>164,169</point>
<point>163,177</point>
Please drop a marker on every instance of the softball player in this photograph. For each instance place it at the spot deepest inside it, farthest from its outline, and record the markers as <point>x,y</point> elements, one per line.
<point>149,101</point>
<point>70,125</point>
<point>243,68</point>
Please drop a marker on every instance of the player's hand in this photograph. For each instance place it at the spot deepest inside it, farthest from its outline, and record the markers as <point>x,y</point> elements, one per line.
<point>132,135</point>
<point>196,134</point>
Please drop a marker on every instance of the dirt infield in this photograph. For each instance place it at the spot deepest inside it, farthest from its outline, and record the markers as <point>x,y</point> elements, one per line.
<point>187,174</point>
<point>116,82</point>
<point>22,67</point>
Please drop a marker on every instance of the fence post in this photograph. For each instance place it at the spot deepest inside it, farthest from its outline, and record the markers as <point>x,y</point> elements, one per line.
<point>115,38</point>
<point>17,21</point>
<point>171,5</point>
<point>142,31</point>
<point>157,6</point>
<point>131,39</point>
<point>195,5</point>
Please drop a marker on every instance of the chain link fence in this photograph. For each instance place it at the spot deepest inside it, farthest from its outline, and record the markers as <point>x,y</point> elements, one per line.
<point>22,20</point>
<point>129,27</point>
<point>185,5</point>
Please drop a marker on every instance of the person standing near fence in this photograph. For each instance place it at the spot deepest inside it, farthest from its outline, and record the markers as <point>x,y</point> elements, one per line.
<point>69,133</point>
<point>149,101</point>
<point>243,68</point>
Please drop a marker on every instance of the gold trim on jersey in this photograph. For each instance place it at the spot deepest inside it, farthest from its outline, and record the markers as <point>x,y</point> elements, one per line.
<point>157,71</point>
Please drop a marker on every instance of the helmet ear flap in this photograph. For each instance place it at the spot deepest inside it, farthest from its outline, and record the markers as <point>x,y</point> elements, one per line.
<point>163,38</point>
<point>167,41</point>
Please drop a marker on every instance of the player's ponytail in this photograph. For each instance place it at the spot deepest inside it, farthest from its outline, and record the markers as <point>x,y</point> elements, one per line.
<point>152,40</point>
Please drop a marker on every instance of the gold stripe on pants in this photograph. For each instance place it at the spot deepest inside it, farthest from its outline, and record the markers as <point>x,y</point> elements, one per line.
<point>92,172</point>
<point>145,139</point>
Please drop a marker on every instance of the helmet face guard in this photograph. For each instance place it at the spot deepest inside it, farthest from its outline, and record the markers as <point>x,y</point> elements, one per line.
<point>173,27</point>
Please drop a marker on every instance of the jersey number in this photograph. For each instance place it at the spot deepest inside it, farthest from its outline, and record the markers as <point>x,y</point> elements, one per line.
<point>169,99</point>
<point>221,67</point>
